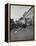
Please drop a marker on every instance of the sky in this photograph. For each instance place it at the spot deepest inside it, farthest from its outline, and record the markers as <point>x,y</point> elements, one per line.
<point>18,11</point>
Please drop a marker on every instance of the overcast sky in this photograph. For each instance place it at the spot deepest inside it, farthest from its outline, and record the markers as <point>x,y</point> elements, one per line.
<point>18,11</point>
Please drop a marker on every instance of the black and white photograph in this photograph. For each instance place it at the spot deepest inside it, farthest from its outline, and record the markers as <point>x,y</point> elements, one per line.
<point>21,23</point>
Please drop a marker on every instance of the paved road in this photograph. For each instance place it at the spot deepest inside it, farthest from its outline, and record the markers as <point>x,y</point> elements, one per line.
<point>22,33</point>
